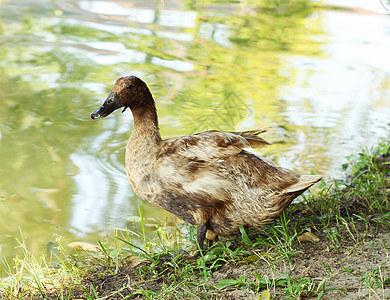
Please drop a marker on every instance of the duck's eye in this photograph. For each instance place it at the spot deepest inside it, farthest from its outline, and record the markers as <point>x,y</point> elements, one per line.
<point>128,86</point>
<point>109,101</point>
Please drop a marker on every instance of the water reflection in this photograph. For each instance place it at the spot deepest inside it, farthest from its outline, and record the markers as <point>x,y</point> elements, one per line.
<point>349,97</point>
<point>319,77</point>
<point>102,188</point>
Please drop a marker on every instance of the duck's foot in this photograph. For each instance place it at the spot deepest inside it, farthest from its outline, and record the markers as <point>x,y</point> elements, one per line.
<point>211,237</point>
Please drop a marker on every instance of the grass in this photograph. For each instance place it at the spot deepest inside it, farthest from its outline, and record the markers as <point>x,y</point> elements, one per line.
<point>349,220</point>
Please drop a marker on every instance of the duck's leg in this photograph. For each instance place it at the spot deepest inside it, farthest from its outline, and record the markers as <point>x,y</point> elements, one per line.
<point>201,235</point>
<point>211,237</point>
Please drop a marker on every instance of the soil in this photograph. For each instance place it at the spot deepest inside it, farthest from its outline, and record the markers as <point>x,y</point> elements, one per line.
<point>319,261</point>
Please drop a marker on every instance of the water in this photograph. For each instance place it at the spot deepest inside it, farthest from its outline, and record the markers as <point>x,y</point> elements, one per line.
<point>318,74</point>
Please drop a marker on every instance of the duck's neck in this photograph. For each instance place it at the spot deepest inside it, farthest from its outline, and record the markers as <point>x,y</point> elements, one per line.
<point>146,123</point>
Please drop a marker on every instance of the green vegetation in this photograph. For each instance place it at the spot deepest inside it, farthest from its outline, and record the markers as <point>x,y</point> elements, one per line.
<point>334,242</point>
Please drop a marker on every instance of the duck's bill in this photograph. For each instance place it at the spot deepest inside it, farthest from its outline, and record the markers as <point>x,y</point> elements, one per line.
<point>112,103</point>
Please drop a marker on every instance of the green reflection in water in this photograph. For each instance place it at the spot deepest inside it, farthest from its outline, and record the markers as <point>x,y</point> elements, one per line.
<point>58,64</point>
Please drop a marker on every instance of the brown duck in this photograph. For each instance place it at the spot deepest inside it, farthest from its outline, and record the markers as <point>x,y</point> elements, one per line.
<point>207,179</point>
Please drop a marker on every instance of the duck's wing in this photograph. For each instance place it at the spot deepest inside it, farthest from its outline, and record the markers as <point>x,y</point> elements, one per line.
<point>210,180</point>
<point>211,144</point>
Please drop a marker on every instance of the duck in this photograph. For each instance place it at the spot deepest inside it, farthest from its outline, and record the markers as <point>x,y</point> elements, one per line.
<point>210,179</point>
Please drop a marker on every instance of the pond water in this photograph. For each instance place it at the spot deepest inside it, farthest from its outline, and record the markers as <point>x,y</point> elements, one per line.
<point>318,73</point>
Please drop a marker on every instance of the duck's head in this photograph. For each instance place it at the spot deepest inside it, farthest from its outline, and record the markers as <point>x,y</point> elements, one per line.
<point>127,92</point>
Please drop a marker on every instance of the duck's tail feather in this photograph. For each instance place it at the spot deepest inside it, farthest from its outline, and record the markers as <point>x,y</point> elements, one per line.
<point>252,137</point>
<point>283,199</point>
<point>305,181</point>
<point>293,191</point>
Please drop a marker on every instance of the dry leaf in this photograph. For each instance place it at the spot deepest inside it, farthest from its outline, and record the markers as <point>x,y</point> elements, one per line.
<point>308,237</point>
<point>256,257</point>
<point>265,295</point>
<point>83,246</point>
